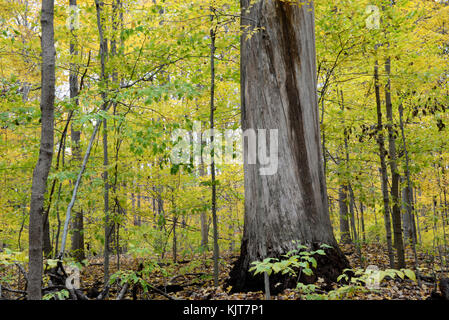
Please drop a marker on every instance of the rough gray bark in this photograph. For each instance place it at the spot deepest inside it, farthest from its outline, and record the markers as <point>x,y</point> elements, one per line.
<point>278,87</point>
<point>42,169</point>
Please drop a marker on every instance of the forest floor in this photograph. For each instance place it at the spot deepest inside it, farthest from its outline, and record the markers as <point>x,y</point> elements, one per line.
<point>192,279</point>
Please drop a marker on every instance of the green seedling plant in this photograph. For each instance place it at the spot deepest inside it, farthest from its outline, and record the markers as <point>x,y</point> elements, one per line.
<point>300,261</point>
<point>366,280</point>
<point>132,277</point>
<point>57,295</point>
<point>295,262</point>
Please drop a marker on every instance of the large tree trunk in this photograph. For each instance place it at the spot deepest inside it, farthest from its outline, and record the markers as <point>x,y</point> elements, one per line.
<point>278,78</point>
<point>42,169</point>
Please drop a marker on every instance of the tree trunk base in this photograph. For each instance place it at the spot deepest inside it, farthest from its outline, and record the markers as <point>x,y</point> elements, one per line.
<point>329,267</point>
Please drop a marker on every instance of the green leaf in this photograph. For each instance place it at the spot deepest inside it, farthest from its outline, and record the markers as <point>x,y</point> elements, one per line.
<point>400,274</point>
<point>313,262</point>
<point>410,274</point>
<point>276,268</point>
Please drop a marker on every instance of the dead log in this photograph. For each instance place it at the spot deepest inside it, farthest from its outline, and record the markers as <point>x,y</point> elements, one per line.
<point>161,292</point>
<point>104,293</point>
<point>123,292</point>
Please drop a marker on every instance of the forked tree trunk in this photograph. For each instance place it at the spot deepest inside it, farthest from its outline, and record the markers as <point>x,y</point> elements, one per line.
<point>278,79</point>
<point>42,169</point>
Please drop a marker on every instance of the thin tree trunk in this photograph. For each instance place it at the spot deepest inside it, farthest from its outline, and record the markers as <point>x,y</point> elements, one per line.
<point>395,177</point>
<point>46,241</point>
<point>383,167</point>
<point>409,189</point>
<point>418,227</point>
<point>75,189</point>
<point>436,240</point>
<point>42,169</point>
<point>374,210</point>
<point>212,164</point>
<point>442,206</point>
<point>175,236</point>
<point>78,225</point>
<point>203,216</point>
<point>362,216</point>
<point>116,20</point>
<point>345,234</point>
<point>445,221</point>
<point>407,235</point>
<point>348,187</point>
<point>139,220</point>
<point>58,231</point>
<point>104,79</point>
